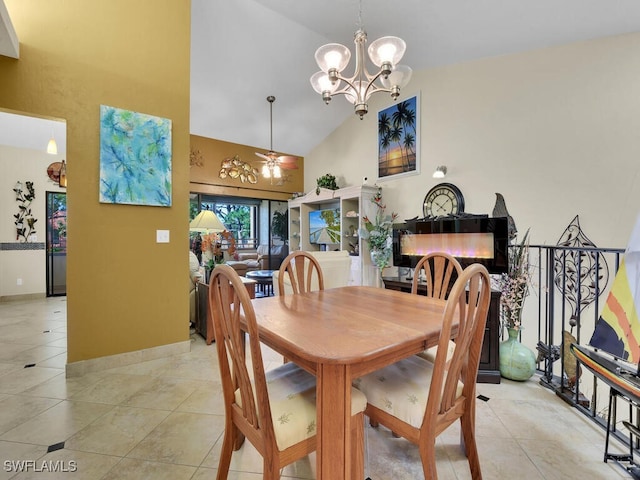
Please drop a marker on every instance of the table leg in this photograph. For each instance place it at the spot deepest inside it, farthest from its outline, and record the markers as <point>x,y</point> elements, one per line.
<point>334,419</point>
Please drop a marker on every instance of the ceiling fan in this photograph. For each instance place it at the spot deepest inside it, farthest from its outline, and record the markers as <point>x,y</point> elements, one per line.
<point>274,163</point>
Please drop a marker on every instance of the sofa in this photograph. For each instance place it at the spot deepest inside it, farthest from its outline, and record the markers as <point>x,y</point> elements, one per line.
<point>260,259</point>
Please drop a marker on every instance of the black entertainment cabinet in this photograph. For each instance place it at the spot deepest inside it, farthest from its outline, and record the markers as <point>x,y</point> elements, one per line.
<point>489,370</point>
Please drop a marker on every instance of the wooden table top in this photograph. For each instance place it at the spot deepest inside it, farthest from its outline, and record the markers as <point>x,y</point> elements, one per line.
<point>347,325</point>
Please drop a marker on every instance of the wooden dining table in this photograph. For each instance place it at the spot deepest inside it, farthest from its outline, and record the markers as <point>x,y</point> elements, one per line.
<point>341,334</point>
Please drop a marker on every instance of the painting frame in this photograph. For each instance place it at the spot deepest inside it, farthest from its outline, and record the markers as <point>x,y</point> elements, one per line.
<point>135,158</point>
<point>398,138</point>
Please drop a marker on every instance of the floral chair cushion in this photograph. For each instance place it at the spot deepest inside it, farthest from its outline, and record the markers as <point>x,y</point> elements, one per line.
<point>430,353</point>
<point>401,389</point>
<point>292,397</point>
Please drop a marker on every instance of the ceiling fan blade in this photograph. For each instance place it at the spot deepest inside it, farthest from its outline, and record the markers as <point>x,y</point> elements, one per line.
<point>261,155</point>
<point>288,161</point>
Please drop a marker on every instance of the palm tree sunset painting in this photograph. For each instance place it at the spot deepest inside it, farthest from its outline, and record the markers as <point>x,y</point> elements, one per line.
<point>398,139</point>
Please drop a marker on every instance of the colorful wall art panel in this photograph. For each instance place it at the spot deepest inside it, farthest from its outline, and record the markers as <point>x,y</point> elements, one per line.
<point>135,158</point>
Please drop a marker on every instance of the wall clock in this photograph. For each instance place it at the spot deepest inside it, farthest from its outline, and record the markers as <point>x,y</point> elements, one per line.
<point>443,199</point>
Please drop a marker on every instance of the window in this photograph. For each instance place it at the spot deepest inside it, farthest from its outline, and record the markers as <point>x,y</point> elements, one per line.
<point>239,215</point>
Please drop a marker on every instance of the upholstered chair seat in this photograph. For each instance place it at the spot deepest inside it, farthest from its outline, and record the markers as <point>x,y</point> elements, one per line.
<point>292,398</point>
<point>430,353</point>
<point>401,389</point>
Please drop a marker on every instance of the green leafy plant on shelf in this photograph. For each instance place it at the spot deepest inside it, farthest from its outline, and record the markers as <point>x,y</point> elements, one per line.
<point>326,181</point>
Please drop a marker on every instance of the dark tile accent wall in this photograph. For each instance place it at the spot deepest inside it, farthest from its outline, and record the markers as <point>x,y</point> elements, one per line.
<point>22,246</point>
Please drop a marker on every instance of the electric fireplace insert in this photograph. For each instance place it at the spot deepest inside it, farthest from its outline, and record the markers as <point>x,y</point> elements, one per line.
<point>470,239</point>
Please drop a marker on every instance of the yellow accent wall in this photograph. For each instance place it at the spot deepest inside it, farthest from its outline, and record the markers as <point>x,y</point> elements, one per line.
<point>125,292</point>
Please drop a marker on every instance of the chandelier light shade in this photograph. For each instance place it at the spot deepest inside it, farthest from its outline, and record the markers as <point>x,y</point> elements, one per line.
<point>206,221</point>
<point>385,53</point>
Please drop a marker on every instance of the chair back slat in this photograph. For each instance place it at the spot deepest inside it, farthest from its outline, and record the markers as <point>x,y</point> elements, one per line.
<point>468,302</point>
<point>228,302</point>
<point>440,270</point>
<point>301,268</point>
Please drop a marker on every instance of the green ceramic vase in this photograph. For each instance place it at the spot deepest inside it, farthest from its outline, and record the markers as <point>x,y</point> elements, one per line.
<point>517,362</point>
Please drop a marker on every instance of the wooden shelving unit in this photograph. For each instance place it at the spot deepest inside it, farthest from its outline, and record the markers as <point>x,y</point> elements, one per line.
<point>352,203</point>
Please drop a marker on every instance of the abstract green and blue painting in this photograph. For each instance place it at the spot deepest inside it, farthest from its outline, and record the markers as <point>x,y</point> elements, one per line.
<point>135,158</point>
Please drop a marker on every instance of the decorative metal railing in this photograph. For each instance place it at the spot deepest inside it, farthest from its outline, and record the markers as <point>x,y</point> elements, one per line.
<point>570,286</point>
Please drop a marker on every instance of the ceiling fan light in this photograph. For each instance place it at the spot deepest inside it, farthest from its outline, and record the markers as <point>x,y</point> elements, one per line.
<point>387,50</point>
<point>321,83</point>
<point>277,173</point>
<point>332,56</point>
<point>266,173</point>
<point>399,77</point>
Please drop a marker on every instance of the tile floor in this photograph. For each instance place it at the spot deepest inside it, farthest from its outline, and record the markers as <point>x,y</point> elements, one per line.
<point>163,419</point>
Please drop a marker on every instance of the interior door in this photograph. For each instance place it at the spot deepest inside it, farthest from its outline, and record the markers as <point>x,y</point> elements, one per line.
<point>56,244</point>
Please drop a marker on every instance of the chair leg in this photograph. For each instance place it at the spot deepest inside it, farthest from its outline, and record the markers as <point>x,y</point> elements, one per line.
<point>226,452</point>
<point>471,449</point>
<point>238,439</point>
<point>357,446</point>
<point>270,470</point>
<point>428,457</point>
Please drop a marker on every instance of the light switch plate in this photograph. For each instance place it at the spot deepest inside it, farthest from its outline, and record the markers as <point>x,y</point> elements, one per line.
<point>162,236</point>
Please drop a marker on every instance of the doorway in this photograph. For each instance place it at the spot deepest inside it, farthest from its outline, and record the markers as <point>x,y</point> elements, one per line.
<point>56,244</point>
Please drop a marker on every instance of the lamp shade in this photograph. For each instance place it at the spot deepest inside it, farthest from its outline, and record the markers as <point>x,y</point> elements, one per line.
<point>332,55</point>
<point>321,83</point>
<point>441,172</point>
<point>52,146</point>
<point>352,96</point>
<point>206,221</point>
<point>399,77</point>
<point>387,50</point>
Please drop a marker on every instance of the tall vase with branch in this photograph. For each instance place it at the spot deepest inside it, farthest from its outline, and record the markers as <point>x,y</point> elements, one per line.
<point>377,232</point>
<point>514,285</point>
<point>517,362</point>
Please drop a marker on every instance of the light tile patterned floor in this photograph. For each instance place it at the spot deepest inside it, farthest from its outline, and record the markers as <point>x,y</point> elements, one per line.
<point>163,419</point>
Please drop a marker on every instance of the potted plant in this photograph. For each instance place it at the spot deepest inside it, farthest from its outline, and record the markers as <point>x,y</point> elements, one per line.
<point>280,225</point>
<point>378,232</point>
<point>326,181</point>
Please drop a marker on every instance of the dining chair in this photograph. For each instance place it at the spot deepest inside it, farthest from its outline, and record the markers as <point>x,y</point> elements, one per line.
<point>300,272</point>
<point>419,399</point>
<point>275,410</point>
<point>440,271</point>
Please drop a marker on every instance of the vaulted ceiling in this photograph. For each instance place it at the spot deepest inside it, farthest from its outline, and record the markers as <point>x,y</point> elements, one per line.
<point>244,50</point>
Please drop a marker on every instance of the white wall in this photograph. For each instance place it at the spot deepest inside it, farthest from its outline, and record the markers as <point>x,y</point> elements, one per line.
<point>556,131</point>
<point>23,165</point>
